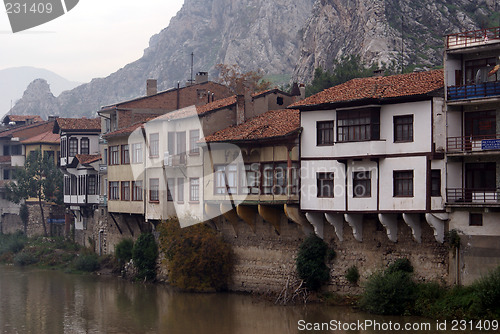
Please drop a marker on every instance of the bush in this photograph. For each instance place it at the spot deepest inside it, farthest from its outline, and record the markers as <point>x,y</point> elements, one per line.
<point>197,259</point>
<point>87,262</point>
<point>310,262</point>
<point>352,275</point>
<point>389,293</point>
<point>12,243</point>
<point>123,250</point>
<point>487,291</point>
<point>24,259</point>
<point>400,265</point>
<point>144,254</point>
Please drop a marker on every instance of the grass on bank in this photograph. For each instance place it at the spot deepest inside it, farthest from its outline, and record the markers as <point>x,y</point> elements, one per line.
<point>50,252</point>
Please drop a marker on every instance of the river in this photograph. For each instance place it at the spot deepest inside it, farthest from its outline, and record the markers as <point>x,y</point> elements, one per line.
<point>44,301</point>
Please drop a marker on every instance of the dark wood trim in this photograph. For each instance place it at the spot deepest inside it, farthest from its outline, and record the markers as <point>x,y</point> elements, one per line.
<point>373,211</point>
<point>428,185</point>
<point>381,156</point>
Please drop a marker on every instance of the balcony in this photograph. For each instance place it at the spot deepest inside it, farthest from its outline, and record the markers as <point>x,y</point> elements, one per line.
<point>473,38</point>
<point>486,89</point>
<point>467,197</point>
<point>471,144</point>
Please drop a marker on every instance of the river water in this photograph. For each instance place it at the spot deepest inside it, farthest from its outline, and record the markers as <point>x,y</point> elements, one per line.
<point>45,301</point>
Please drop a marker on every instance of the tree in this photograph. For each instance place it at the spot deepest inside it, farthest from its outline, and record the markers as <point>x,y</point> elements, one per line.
<point>344,69</point>
<point>233,77</point>
<point>40,178</point>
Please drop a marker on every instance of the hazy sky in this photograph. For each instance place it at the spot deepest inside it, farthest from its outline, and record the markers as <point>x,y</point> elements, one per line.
<point>94,39</point>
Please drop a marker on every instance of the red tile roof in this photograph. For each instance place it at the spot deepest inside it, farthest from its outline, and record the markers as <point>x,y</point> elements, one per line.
<point>125,131</point>
<point>47,138</point>
<point>402,85</point>
<point>27,131</point>
<point>272,124</point>
<point>22,118</point>
<point>87,158</point>
<point>79,124</point>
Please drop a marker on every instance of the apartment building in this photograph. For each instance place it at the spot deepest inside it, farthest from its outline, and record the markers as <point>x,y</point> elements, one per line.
<point>373,149</point>
<point>472,79</point>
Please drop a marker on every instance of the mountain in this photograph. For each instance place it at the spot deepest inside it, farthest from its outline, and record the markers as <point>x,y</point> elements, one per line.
<point>285,39</point>
<point>13,81</point>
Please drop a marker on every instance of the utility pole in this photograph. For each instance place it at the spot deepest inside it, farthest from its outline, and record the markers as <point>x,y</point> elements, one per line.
<point>192,64</point>
<point>402,41</point>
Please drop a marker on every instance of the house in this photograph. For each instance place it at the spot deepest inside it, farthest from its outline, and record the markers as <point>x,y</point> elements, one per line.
<point>263,184</point>
<point>472,79</point>
<point>372,152</point>
<point>79,161</point>
<point>16,120</point>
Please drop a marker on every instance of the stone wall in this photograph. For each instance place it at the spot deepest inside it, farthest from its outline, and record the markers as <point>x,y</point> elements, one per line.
<point>266,260</point>
<point>35,225</point>
<point>11,223</point>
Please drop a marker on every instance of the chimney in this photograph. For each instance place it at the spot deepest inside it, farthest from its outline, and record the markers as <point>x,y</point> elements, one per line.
<point>52,118</point>
<point>243,101</point>
<point>302,89</point>
<point>151,87</point>
<point>201,77</point>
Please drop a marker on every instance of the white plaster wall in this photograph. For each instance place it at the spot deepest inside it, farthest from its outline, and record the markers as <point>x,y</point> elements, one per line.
<point>454,174</point>
<point>459,220</point>
<point>439,124</point>
<point>418,201</point>
<point>308,192</point>
<point>451,64</point>
<point>454,124</point>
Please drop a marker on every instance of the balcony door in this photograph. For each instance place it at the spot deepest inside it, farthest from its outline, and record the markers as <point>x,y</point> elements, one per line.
<point>478,126</point>
<point>480,181</point>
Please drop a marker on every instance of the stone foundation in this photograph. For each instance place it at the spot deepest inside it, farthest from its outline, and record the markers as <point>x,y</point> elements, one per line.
<point>11,223</point>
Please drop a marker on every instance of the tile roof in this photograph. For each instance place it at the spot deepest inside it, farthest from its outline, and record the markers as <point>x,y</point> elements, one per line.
<point>125,131</point>
<point>47,137</point>
<point>5,158</point>
<point>79,123</point>
<point>27,131</point>
<point>272,124</point>
<point>22,118</point>
<point>402,85</point>
<point>88,158</point>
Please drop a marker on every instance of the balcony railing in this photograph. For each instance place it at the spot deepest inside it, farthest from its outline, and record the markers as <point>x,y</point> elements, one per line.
<point>486,89</point>
<point>473,38</point>
<point>473,143</point>
<point>472,196</point>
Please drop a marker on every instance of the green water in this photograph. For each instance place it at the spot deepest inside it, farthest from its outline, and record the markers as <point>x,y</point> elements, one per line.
<point>43,301</point>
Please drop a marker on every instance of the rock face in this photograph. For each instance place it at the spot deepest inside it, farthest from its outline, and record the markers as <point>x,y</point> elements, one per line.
<point>37,100</point>
<point>283,38</point>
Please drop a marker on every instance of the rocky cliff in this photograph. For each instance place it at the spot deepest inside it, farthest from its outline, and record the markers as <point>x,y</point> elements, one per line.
<point>283,38</point>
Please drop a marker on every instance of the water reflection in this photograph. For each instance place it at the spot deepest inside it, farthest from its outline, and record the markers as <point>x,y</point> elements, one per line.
<point>40,301</point>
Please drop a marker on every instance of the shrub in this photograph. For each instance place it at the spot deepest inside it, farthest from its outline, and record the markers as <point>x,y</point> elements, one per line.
<point>197,259</point>
<point>12,243</point>
<point>87,262</point>
<point>352,275</point>
<point>331,254</point>
<point>123,250</point>
<point>389,293</point>
<point>487,290</point>
<point>400,265</point>
<point>24,259</point>
<point>310,262</point>
<point>144,254</point>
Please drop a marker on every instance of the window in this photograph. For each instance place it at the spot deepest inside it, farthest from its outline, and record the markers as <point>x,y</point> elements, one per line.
<point>50,155</point>
<point>226,179</point>
<point>170,190</point>
<point>324,133</point>
<point>361,184</point>
<point>358,125</point>
<point>194,189</point>
<point>267,179</point>
<point>137,153</point>
<point>180,190</point>
<point>64,152</point>
<point>403,183</point>
<point>125,191</point>
<point>125,155</point>
<point>181,146</point>
<point>16,150</point>
<point>113,155</point>
<point>154,190</point>
<point>436,182</point>
<point>279,100</point>
<point>475,219</point>
<point>6,150</point>
<point>113,190</point>
<point>403,128</point>
<point>137,191</point>
<point>73,147</point>
<point>154,145</point>
<point>92,185</point>
<point>477,71</point>
<point>250,179</point>
<point>84,146</point>
<point>6,174</point>
<point>194,136</point>
<point>295,178</point>
<point>324,183</point>
<point>105,156</point>
<point>67,185</point>
<point>73,184</point>
<point>281,179</point>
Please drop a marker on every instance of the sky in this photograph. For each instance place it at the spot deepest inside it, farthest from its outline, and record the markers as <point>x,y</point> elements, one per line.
<point>94,39</point>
